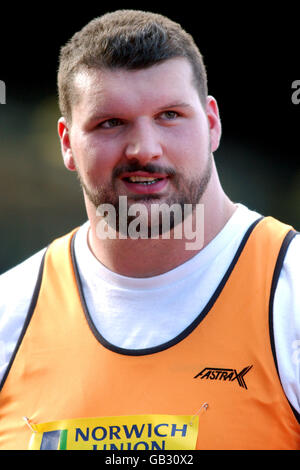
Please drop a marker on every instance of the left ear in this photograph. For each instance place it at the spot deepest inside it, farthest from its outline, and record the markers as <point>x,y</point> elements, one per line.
<point>214,122</point>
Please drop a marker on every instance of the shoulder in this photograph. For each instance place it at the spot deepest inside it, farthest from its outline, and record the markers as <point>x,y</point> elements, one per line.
<point>16,289</point>
<point>286,318</point>
<point>287,294</point>
<point>288,282</point>
<point>291,261</point>
<point>16,278</point>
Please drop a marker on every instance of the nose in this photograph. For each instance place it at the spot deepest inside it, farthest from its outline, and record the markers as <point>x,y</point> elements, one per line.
<point>143,143</point>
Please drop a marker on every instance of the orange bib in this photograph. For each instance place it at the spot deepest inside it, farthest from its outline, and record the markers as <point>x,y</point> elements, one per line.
<point>215,386</point>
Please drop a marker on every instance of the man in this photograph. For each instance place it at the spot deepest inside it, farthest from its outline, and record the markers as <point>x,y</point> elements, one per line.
<point>124,342</point>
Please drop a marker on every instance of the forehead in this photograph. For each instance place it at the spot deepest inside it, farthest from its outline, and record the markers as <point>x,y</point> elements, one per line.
<point>168,81</point>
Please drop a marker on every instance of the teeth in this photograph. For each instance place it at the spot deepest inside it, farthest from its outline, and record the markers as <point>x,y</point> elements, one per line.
<point>142,179</point>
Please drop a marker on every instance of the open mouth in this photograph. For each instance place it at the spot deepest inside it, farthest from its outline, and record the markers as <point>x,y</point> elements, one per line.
<point>142,180</point>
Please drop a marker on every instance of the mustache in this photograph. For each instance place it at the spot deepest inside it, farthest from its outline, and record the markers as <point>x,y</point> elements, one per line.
<point>149,168</point>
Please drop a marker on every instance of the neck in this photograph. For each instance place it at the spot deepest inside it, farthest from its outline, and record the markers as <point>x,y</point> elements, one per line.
<point>151,257</point>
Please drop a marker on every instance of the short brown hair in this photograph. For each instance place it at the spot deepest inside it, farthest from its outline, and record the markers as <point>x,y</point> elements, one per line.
<point>129,39</point>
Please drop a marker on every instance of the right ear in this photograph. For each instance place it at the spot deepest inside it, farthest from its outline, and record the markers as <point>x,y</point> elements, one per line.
<point>64,136</point>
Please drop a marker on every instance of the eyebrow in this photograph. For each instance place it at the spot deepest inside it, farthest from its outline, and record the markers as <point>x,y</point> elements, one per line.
<point>175,105</point>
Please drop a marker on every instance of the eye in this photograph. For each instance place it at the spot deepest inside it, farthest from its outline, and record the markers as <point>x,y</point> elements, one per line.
<point>111,123</point>
<point>169,115</point>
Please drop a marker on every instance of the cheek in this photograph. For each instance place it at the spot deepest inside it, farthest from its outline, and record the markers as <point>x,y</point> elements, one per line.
<point>94,160</point>
<point>190,147</point>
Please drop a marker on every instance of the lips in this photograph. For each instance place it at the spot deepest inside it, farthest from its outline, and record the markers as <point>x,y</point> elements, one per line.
<point>143,182</point>
<point>142,179</point>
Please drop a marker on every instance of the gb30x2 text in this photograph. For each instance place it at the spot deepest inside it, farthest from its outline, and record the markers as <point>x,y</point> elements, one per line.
<point>171,459</point>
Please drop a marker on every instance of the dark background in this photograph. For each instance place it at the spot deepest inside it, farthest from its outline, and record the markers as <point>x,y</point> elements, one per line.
<point>252,57</point>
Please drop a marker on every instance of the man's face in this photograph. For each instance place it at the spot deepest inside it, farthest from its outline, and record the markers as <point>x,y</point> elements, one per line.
<point>142,134</point>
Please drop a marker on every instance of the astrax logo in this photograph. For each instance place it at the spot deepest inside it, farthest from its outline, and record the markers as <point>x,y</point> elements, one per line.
<point>214,373</point>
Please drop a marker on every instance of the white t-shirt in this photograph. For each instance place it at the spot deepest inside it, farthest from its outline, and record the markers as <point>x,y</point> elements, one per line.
<point>137,313</point>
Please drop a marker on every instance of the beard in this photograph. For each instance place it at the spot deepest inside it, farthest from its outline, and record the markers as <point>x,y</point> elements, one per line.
<point>188,191</point>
